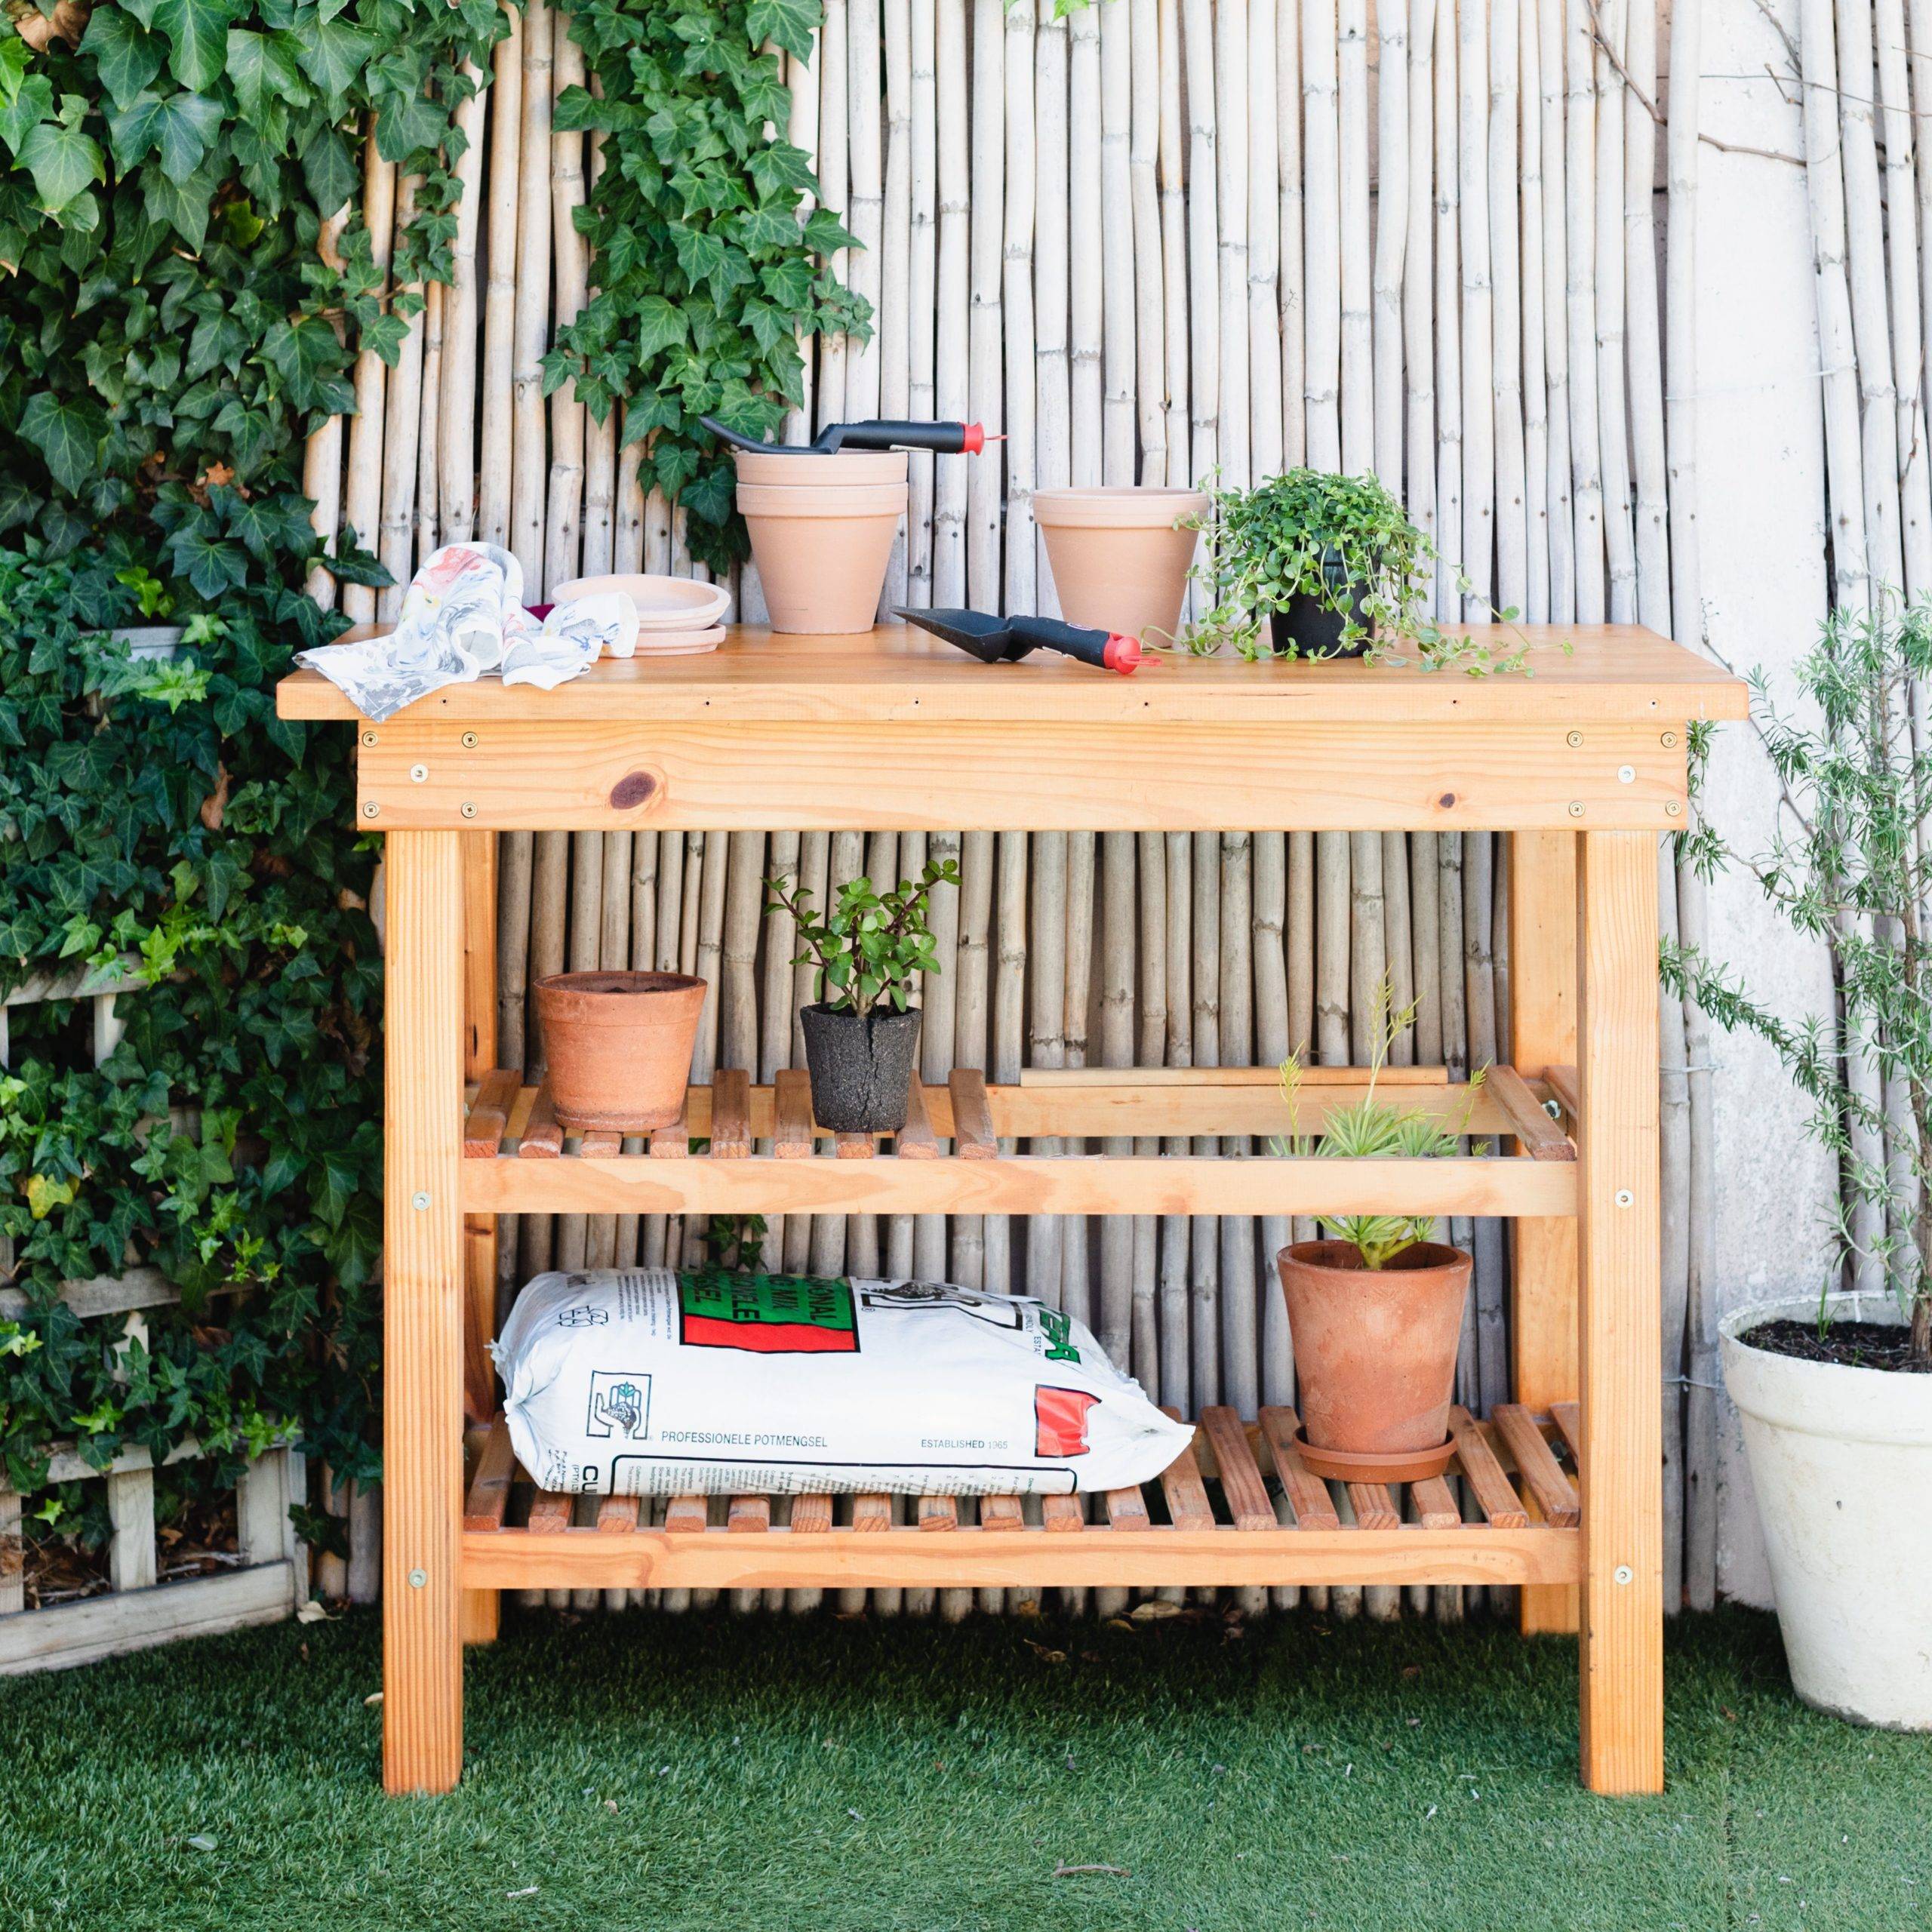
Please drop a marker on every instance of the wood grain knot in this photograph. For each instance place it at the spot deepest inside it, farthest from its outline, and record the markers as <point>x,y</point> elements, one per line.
<point>1447,801</point>
<point>634,788</point>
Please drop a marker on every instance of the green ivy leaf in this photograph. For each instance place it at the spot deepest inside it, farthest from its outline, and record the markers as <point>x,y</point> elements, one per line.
<point>659,324</point>
<point>63,161</point>
<point>180,128</point>
<point>262,67</point>
<point>786,24</point>
<point>210,565</point>
<point>68,431</point>
<point>127,57</point>
<point>334,54</point>
<point>197,32</point>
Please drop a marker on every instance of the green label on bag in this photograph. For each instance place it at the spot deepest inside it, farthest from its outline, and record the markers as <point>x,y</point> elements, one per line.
<point>767,1314</point>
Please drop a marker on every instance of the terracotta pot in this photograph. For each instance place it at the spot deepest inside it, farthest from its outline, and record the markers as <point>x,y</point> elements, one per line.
<point>795,468</point>
<point>1375,1348</point>
<point>1119,562</point>
<point>822,552</point>
<point>861,1068</point>
<point>619,1046</point>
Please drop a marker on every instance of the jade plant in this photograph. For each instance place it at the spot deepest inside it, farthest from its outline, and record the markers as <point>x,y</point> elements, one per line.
<point>1345,543</point>
<point>1372,1128</point>
<point>871,946</point>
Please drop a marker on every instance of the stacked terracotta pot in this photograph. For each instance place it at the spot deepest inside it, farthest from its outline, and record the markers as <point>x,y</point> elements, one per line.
<point>822,529</point>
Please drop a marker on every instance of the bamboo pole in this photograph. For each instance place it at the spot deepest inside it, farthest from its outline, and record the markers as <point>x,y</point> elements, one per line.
<point>1273,1040</point>
<point>1535,392</point>
<point>493,469</point>
<point>1096,233</point>
<point>1645,349</point>
<point>801,86</point>
<point>1418,268</point>
<point>570,257</point>
<point>1322,195</point>
<point>1294,262</point>
<point>1053,241</point>
<point>1612,429</point>
<point>1075,1289</point>
<point>984,342</point>
<point>1174,1381</point>
<point>1240,1340</point>
<point>1203,242</point>
<point>362,482</point>
<point>1264,246</point>
<point>1144,188</point>
<point>1017,318</point>
<point>321,455</point>
<point>1204,1270</point>
<point>1150,1050</point>
<point>1358,347</point>
<point>427,525</point>
<point>940,1049</point>
<point>1173,244</point>
<point>922,296</point>
<point>1009,1013</point>
<point>971,1037</point>
<point>1231,84</point>
<point>864,204</point>
<point>957,286</point>
<point>1560,499</point>
<point>530,333</point>
<point>1392,231</point>
<point>834,158</point>
<point>1119,1304</point>
<point>1579,216</point>
<point>1449,527</point>
<point>456,421</point>
<point>1511,583</point>
<point>402,422</point>
<point>896,293</point>
<point>1478,418</point>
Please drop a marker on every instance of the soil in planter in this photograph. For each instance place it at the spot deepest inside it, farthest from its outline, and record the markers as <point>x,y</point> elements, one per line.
<point>1850,1344</point>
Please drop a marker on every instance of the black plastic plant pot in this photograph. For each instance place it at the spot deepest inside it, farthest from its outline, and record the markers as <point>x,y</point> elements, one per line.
<point>861,1067</point>
<point>1308,626</point>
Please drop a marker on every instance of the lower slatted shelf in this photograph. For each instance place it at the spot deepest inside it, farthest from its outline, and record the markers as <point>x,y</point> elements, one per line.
<point>1238,1506</point>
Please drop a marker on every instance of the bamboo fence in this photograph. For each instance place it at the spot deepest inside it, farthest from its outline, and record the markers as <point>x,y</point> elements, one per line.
<point>1158,240</point>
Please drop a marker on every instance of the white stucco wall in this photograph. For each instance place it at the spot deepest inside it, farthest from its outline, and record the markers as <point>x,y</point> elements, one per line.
<point>1760,493</point>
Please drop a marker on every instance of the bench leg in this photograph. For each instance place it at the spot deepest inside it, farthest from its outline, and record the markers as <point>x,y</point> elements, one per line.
<point>480,1608</point>
<point>1622,1500</point>
<point>1542,1001</point>
<point>423,1297</point>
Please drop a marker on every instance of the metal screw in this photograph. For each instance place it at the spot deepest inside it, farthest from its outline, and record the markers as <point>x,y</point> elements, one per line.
<point>368,737</point>
<point>1623,1573</point>
<point>371,810</point>
<point>467,809</point>
<point>417,1578</point>
<point>419,1202</point>
<point>1624,1196</point>
<point>1668,740</point>
<point>1672,809</point>
<point>1574,738</point>
<point>470,741</point>
<point>1626,774</point>
<point>1576,808</point>
<point>418,773</point>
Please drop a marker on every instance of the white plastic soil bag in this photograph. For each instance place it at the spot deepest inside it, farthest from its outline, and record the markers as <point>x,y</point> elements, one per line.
<point>649,1382</point>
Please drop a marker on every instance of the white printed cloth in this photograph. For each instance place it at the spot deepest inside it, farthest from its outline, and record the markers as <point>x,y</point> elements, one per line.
<point>464,616</point>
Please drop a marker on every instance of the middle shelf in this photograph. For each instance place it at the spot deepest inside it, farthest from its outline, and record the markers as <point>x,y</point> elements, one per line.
<point>519,1159</point>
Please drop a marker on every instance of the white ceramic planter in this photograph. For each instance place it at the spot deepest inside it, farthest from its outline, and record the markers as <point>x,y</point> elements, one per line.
<point>1841,1459</point>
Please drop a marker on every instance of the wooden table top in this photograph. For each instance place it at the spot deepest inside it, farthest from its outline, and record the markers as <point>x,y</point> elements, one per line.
<point>1614,673</point>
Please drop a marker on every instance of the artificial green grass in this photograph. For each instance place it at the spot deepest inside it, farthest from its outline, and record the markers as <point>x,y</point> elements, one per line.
<point>713,1773</point>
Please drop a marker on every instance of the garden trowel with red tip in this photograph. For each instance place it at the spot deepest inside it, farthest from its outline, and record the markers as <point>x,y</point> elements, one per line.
<point>1002,640</point>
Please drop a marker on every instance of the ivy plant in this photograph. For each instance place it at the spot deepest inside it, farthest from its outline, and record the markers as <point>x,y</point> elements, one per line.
<point>706,274</point>
<point>170,336</point>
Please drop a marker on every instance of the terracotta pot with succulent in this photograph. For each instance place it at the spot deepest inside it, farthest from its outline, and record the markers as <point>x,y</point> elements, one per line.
<point>1835,1385</point>
<point>860,1039</point>
<point>1376,1310</point>
<point>1310,564</point>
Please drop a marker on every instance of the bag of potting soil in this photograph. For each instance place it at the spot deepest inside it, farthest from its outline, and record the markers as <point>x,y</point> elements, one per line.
<point>649,1382</point>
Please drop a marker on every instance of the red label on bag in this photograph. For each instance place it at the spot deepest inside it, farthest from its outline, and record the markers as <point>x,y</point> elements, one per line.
<point>1060,1421</point>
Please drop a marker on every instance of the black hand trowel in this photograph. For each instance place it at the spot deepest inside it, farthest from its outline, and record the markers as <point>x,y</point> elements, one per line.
<point>941,438</point>
<point>1001,640</point>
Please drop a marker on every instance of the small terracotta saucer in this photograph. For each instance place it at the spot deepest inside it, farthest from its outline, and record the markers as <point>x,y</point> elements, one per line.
<point>1388,1465</point>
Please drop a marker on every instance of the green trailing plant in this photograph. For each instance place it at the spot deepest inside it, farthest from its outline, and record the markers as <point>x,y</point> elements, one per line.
<point>1850,865</point>
<point>158,815</point>
<point>1281,539</point>
<point>170,336</point>
<point>706,275</point>
<point>1372,1128</point>
<point>871,947</point>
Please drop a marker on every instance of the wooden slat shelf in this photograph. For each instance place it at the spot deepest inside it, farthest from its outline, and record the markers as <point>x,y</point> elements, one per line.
<point>1212,1517</point>
<point>704,1163</point>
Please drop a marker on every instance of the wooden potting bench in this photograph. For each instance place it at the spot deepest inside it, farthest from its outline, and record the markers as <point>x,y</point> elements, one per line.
<point>1584,764</point>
